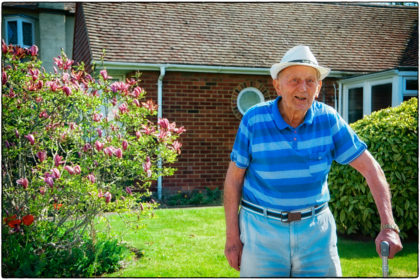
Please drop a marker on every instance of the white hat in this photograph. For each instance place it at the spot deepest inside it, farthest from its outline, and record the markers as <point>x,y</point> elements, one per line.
<point>299,55</point>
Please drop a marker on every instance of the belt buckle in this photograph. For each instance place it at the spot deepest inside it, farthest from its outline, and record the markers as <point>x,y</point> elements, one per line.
<point>294,216</point>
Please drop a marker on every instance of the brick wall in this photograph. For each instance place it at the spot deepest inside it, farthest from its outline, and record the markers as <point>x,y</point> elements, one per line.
<point>205,105</point>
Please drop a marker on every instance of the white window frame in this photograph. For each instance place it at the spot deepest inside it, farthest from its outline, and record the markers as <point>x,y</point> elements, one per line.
<point>241,93</point>
<point>395,77</point>
<point>19,20</point>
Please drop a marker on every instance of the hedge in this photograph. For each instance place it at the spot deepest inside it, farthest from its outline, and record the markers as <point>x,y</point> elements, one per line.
<point>392,138</point>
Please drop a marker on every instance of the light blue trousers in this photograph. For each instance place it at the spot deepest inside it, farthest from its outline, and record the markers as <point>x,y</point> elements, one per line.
<point>305,248</point>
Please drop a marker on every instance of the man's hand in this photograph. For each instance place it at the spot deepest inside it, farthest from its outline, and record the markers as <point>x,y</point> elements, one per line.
<point>375,177</point>
<point>232,196</point>
<point>233,252</point>
<point>392,238</point>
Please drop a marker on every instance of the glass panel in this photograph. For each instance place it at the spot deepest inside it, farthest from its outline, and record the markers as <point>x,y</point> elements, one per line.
<point>248,99</point>
<point>27,33</point>
<point>355,104</point>
<point>408,97</point>
<point>381,97</point>
<point>12,32</point>
<point>411,84</point>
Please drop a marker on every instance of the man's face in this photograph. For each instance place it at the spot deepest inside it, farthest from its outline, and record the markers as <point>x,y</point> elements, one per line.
<point>299,86</point>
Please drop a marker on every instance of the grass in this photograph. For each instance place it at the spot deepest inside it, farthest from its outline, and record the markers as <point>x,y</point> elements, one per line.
<point>189,242</point>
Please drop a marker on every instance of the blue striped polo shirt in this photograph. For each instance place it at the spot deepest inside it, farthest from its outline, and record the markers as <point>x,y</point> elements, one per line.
<point>287,168</point>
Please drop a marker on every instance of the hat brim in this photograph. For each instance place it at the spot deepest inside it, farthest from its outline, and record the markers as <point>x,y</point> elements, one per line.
<point>276,68</point>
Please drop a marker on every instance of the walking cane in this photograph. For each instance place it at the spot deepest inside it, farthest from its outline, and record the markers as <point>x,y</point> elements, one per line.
<point>385,255</point>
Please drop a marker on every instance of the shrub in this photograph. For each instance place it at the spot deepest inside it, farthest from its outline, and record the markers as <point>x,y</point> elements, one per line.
<point>392,138</point>
<point>86,260</point>
<point>74,146</point>
<point>195,197</point>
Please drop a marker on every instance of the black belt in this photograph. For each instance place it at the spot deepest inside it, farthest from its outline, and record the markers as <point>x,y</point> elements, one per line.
<point>284,216</point>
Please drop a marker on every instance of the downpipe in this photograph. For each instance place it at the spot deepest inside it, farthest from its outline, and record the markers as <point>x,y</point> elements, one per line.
<point>160,93</point>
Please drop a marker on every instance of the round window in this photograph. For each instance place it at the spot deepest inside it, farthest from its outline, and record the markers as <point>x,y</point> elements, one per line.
<point>247,98</point>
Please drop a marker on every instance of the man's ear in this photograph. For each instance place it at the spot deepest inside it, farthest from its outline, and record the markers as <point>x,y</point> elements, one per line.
<point>318,89</point>
<point>276,86</point>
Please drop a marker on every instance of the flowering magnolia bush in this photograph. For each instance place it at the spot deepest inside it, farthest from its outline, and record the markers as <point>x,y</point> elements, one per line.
<point>73,145</point>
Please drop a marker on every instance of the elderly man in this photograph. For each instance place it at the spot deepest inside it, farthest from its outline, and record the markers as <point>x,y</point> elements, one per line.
<point>278,173</point>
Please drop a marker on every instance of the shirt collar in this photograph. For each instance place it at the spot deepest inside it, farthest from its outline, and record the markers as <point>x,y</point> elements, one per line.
<point>281,123</point>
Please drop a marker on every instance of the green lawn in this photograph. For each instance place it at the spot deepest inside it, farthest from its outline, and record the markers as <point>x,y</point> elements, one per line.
<point>189,242</point>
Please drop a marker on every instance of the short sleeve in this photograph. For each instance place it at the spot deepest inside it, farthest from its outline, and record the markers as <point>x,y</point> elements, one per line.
<point>241,148</point>
<point>347,145</point>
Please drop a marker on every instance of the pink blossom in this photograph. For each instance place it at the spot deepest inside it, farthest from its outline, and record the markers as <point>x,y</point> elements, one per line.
<point>99,132</point>
<point>77,169</point>
<point>118,153</point>
<point>31,138</point>
<point>24,182</point>
<point>180,130</point>
<point>87,147</point>
<point>4,47</point>
<point>55,173</point>
<point>67,90</point>
<point>163,123</point>
<point>104,75</point>
<point>147,165</point>
<point>12,93</point>
<point>69,169</point>
<point>34,73</point>
<point>43,114</point>
<point>42,155</point>
<point>137,91</point>
<point>128,190</point>
<point>136,102</point>
<point>33,50</point>
<point>58,160</point>
<point>97,117</point>
<point>114,127</point>
<point>149,105</point>
<point>3,77</point>
<point>123,108</point>
<point>162,135</point>
<point>108,197</point>
<point>39,84</point>
<point>148,130</point>
<point>63,63</point>
<point>119,86</point>
<point>49,179</point>
<point>91,178</point>
<point>177,146</point>
<point>138,134</point>
<point>124,145</point>
<point>109,151</point>
<point>114,101</point>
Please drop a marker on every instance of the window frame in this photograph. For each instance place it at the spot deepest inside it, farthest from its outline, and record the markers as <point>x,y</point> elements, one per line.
<point>243,91</point>
<point>19,20</point>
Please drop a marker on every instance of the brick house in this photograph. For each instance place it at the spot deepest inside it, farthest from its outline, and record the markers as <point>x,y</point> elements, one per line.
<point>207,63</point>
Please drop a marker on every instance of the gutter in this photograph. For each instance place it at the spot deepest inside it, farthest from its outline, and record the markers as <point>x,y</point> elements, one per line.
<point>134,66</point>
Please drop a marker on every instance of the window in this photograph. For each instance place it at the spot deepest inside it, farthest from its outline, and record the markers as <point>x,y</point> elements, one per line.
<point>361,95</point>
<point>381,97</point>
<point>411,87</point>
<point>20,31</point>
<point>249,97</point>
<point>355,104</point>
